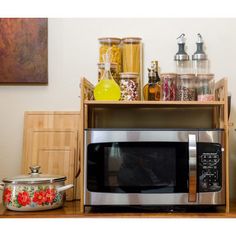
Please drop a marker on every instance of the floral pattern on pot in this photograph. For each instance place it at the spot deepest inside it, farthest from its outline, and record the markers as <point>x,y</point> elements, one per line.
<point>30,195</point>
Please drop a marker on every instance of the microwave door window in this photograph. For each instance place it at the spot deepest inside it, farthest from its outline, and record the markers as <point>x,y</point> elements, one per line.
<point>138,167</point>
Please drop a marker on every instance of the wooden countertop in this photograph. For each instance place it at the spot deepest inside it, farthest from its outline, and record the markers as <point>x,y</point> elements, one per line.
<point>71,210</point>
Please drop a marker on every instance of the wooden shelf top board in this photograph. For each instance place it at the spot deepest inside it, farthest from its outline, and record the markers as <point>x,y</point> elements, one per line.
<point>157,103</point>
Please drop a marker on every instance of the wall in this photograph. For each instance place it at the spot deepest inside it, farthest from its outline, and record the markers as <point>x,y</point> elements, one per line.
<point>73,52</point>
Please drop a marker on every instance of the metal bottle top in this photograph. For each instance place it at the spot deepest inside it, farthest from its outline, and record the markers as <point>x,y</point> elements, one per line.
<point>181,55</point>
<point>199,54</point>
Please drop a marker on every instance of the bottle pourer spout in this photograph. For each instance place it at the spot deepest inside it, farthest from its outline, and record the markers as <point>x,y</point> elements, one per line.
<point>181,39</point>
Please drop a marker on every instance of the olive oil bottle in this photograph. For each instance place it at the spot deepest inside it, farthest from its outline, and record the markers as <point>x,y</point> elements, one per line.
<point>152,90</point>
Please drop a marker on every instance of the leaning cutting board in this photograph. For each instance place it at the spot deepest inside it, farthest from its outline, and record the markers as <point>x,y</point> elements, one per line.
<point>51,141</point>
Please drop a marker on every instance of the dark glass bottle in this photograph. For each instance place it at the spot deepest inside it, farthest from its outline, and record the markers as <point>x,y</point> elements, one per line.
<point>151,91</point>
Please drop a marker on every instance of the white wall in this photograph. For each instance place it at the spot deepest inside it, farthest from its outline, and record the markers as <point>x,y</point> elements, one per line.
<point>73,52</point>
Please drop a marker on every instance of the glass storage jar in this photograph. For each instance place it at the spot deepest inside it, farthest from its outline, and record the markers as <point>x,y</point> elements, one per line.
<point>112,44</point>
<point>129,86</point>
<point>205,87</point>
<point>168,86</point>
<point>113,69</point>
<point>131,55</point>
<point>186,89</point>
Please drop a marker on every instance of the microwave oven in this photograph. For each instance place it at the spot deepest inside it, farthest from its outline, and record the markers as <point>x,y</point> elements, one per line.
<point>125,167</point>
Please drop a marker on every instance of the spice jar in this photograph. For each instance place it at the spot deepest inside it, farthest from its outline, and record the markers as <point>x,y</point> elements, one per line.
<point>186,90</point>
<point>205,87</point>
<point>131,55</point>
<point>113,69</point>
<point>113,45</point>
<point>129,86</point>
<point>168,85</point>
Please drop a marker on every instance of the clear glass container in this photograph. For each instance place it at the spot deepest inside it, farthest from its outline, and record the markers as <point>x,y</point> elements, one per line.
<point>129,86</point>
<point>200,67</point>
<point>112,44</point>
<point>186,89</point>
<point>132,55</point>
<point>183,67</point>
<point>168,87</point>
<point>113,69</point>
<point>205,87</point>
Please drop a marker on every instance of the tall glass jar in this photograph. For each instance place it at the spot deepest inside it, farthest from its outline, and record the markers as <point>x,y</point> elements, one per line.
<point>186,89</point>
<point>112,44</point>
<point>129,86</point>
<point>205,87</point>
<point>168,85</point>
<point>132,55</point>
<point>113,69</point>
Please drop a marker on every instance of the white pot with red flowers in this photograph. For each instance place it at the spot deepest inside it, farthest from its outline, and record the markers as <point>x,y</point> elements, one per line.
<point>34,192</point>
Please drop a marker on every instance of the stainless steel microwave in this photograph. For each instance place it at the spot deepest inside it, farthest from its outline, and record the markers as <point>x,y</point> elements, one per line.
<point>154,167</point>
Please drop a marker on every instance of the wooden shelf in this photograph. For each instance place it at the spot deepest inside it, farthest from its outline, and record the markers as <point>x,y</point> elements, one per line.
<point>157,114</point>
<point>157,103</point>
<point>72,210</point>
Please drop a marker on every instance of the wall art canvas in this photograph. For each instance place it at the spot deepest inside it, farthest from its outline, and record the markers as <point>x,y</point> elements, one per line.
<point>23,50</point>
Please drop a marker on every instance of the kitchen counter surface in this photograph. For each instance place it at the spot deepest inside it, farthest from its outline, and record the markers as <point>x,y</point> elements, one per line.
<point>71,210</point>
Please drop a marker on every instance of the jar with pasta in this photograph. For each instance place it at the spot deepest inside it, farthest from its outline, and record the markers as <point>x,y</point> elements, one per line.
<point>113,46</point>
<point>129,86</point>
<point>113,69</point>
<point>131,55</point>
<point>186,89</point>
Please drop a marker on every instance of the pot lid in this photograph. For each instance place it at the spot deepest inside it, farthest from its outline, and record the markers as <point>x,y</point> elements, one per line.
<point>35,177</point>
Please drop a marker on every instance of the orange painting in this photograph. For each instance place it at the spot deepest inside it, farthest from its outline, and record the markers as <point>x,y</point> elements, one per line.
<point>23,50</point>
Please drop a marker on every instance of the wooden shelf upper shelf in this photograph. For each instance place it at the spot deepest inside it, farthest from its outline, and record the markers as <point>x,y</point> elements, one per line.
<point>157,103</point>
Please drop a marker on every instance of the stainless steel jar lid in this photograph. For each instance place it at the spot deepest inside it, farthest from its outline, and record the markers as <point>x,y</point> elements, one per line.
<point>35,178</point>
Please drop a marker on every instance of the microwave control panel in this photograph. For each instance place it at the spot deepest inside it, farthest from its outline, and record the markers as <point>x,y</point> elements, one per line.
<point>210,168</point>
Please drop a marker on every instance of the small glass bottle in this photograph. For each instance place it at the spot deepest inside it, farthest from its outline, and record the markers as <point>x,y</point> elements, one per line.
<point>182,62</point>
<point>152,90</point>
<point>199,58</point>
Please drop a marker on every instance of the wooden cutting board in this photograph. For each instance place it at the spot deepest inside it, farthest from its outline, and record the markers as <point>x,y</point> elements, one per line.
<point>51,141</point>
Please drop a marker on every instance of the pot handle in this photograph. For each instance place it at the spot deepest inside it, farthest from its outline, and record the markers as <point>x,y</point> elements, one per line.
<point>2,186</point>
<point>64,188</point>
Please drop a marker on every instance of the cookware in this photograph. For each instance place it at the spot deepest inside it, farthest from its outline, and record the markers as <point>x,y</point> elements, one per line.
<point>34,192</point>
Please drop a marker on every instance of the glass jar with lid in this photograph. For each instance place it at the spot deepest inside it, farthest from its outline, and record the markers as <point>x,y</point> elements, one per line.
<point>168,85</point>
<point>131,54</point>
<point>186,89</point>
<point>205,87</point>
<point>113,46</point>
<point>129,86</point>
<point>113,69</point>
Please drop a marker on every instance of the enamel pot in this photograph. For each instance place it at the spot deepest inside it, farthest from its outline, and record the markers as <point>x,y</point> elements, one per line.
<point>34,192</point>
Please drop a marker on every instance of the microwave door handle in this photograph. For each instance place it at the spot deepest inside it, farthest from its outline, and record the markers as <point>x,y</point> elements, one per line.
<point>192,148</point>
